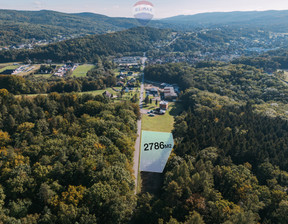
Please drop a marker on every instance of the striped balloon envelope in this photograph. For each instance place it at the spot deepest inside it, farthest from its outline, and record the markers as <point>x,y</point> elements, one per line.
<point>143,11</point>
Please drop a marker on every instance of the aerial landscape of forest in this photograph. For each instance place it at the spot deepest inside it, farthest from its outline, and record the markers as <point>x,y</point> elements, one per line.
<point>80,85</point>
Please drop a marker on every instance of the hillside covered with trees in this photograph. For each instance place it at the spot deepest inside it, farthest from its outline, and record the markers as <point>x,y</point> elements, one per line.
<point>18,27</point>
<point>134,41</point>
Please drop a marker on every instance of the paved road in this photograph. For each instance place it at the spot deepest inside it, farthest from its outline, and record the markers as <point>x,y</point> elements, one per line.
<point>137,143</point>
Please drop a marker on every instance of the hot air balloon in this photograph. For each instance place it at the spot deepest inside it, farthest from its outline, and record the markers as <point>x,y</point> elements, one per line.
<point>143,11</point>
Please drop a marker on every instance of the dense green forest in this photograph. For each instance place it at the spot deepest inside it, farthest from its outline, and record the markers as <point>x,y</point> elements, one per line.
<point>134,41</point>
<point>66,159</point>
<point>270,61</point>
<point>238,82</point>
<point>230,163</point>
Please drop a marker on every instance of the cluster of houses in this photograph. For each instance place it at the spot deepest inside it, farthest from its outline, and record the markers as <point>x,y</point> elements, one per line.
<point>20,69</point>
<point>255,43</point>
<point>33,42</point>
<point>167,92</point>
<point>128,61</point>
<point>62,71</point>
<point>23,68</point>
<point>124,81</point>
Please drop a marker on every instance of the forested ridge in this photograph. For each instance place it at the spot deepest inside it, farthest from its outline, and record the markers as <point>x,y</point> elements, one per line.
<point>19,27</point>
<point>270,61</point>
<point>88,48</point>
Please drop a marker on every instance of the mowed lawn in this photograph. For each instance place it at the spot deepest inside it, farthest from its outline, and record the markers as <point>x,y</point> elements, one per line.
<point>161,123</point>
<point>82,70</point>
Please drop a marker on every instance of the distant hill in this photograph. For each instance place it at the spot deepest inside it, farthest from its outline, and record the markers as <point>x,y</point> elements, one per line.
<point>19,26</point>
<point>133,41</point>
<point>270,18</point>
<point>88,22</point>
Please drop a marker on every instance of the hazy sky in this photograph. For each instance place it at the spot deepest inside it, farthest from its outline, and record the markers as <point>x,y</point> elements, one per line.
<point>163,8</point>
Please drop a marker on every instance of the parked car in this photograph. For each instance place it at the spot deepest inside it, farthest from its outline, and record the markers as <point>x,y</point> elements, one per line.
<point>159,111</point>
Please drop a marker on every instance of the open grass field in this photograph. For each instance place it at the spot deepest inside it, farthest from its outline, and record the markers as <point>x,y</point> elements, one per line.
<point>7,67</point>
<point>99,92</point>
<point>161,123</point>
<point>46,76</point>
<point>96,92</point>
<point>82,70</point>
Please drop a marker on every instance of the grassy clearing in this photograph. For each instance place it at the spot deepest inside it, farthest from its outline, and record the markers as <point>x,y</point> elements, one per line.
<point>2,65</point>
<point>82,70</point>
<point>8,67</point>
<point>161,123</point>
<point>46,76</point>
<point>99,92</point>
